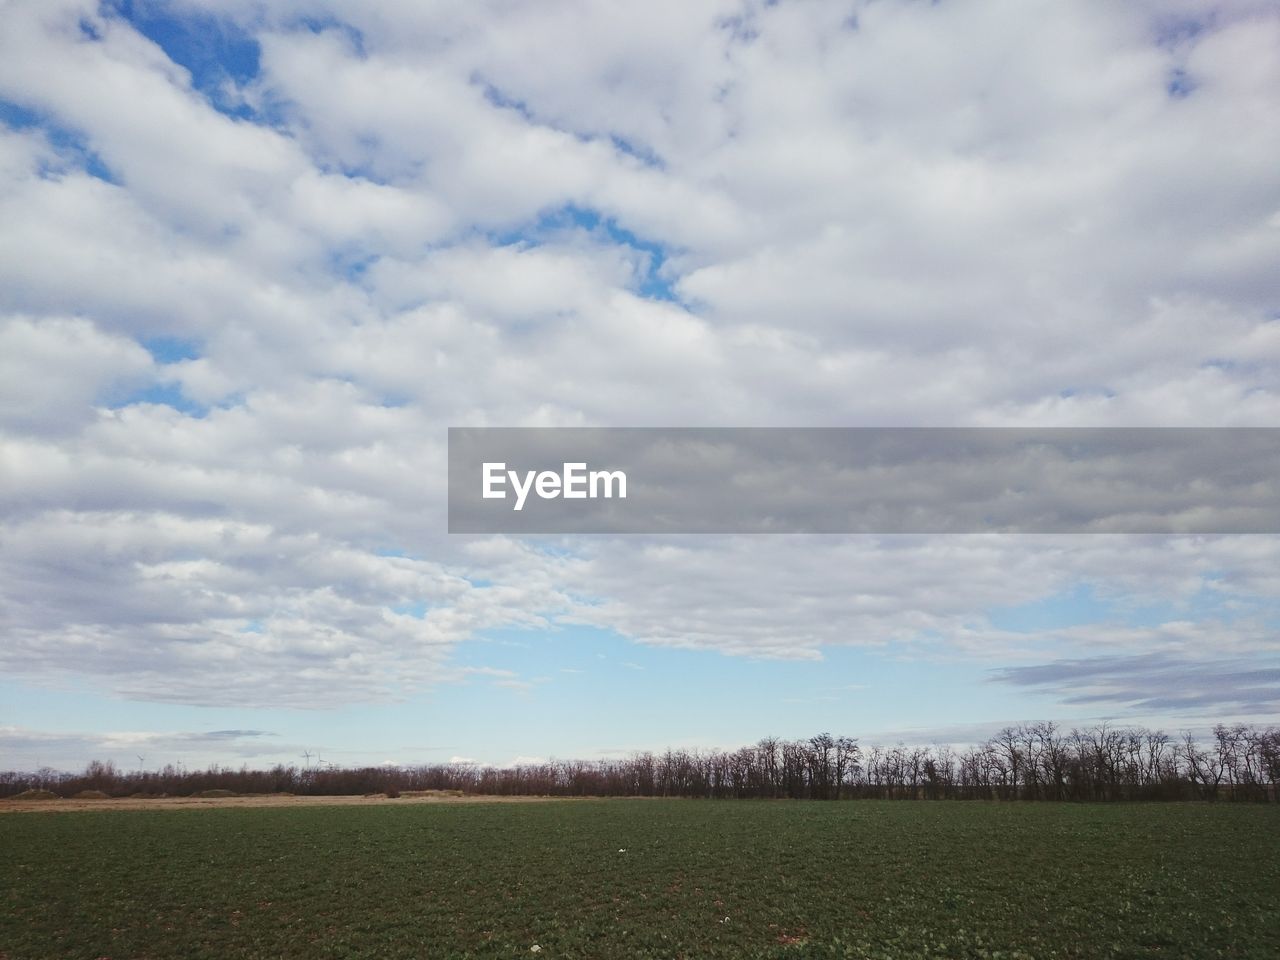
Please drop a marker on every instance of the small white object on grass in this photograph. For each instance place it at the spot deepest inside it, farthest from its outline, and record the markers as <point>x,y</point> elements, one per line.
<point>622,849</point>
<point>535,949</point>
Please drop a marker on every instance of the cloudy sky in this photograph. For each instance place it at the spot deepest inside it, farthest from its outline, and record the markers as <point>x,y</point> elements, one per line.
<point>256,256</point>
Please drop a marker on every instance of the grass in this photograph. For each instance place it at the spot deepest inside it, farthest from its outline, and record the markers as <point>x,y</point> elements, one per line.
<point>697,879</point>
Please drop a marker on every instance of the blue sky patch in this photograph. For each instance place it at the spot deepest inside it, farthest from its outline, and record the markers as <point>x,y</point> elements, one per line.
<point>163,394</point>
<point>1180,84</point>
<point>504,102</point>
<point>416,608</point>
<point>170,349</point>
<point>215,51</point>
<point>652,282</point>
<point>1068,608</point>
<point>71,145</point>
<point>325,24</point>
<point>637,151</point>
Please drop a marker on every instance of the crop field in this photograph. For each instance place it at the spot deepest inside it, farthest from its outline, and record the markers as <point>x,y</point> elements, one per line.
<point>644,878</point>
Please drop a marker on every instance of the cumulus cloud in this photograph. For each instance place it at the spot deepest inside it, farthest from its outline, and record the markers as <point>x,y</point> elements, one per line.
<point>790,597</point>
<point>408,217</point>
<point>54,369</point>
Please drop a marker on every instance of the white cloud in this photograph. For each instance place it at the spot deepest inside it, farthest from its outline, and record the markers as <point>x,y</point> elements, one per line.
<point>53,370</point>
<point>886,213</point>
<point>788,597</point>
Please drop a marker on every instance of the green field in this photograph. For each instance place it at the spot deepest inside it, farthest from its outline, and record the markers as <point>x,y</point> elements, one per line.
<point>697,879</point>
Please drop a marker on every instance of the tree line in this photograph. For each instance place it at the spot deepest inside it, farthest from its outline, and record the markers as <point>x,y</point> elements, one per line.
<point>1038,761</point>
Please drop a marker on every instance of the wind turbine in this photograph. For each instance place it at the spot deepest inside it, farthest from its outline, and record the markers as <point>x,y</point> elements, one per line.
<point>141,761</point>
<point>307,754</point>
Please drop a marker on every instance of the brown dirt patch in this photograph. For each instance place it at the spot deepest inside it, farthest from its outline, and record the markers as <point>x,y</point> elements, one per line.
<point>19,804</point>
<point>35,796</point>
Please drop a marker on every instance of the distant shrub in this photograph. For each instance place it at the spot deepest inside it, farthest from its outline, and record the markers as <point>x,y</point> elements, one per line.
<point>393,793</point>
<point>91,795</point>
<point>36,795</point>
